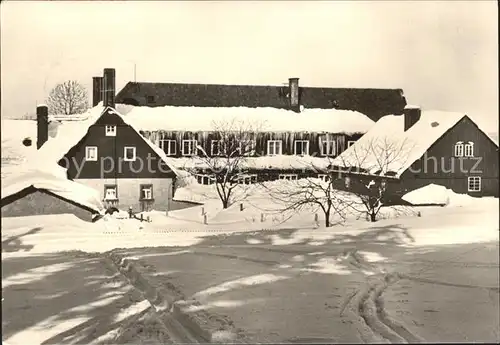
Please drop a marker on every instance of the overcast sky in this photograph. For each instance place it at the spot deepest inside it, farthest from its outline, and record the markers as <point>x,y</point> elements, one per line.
<point>444,55</point>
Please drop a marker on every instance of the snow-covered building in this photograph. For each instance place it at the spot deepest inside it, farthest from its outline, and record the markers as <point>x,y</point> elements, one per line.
<point>425,147</point>
<point>103,151</point>
<point>290,129</point>
<point>42,192</point>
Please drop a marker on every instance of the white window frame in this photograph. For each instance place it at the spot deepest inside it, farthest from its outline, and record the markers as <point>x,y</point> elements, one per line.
<point>474,183</point>
<point>288,177</point>
<point>134,150</point>
<point>251,178</point>
<point>169,144</point>
<point>469,149</point>
<point>201,178</point>
<point>148,188</point>
<point>302,143</point>
<point>221,148</point>
<point>110,130</point>
<point>88,156</point>
<point>193,147</point>
<point>280,151</point>
<point>328,144</point>
<point>324,177</point>
<point>350,143</point>
<point>459,149</point>
<point>111,187</point>
<point>252,143</point>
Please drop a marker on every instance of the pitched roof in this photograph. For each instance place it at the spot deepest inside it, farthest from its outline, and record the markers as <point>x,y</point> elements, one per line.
<point>54,183</point>
<point>372,102</point>
<point>388,150</point>
<point>69,133</point>
<point>263,119</point>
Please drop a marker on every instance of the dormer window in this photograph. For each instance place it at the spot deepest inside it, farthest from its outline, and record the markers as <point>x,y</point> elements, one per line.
<point>110,130</point>
<point>469,149</point>
<point>459,149</point>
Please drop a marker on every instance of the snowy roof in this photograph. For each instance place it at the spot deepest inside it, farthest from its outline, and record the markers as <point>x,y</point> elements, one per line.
<point>388,148</point>
<point>265,119</point>
<point>279,162</point>
<point>55,183</point>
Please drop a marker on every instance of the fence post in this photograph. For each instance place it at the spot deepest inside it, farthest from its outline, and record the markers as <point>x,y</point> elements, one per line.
<point>315,217</point>
<point>262,217</point>
<point>241,207</point>
<point>204,219</point>
<point>203,211</point>
<point>142,217</point>
<point>166,212</point>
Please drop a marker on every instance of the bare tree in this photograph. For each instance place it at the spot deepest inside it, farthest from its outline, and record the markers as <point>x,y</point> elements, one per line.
<point>225,163</point>
<point>353,183</point>
<point>315,193</point>
<point>369,168</point>
<point>68,98</point>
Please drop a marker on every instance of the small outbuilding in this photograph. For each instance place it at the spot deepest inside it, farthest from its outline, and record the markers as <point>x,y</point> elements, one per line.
<point>42,193</point>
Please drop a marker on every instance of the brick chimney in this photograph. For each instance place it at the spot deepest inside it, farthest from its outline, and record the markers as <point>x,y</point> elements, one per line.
<point>109,87</point>
<point>96,90</point>
<point>412,115</point>
<point>42,125</point>
<point>293,91</point>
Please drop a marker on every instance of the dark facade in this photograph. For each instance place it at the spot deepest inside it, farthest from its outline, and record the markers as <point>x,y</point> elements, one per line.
<point>111,163</point>
<point>374,103</point>
<point>32,201</point>
<point>288,141</point>
<point>440,166</point>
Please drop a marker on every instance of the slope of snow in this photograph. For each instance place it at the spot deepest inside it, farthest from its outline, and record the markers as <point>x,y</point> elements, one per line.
<point>430,194</point>
<point>281,162</point>
<point>55,183</point>
<point>440,195</point>
<point>265,119</point>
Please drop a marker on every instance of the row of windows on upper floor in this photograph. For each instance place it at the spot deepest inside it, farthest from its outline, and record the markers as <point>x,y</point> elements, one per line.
<point>246,147</point>
<point>190,148</point>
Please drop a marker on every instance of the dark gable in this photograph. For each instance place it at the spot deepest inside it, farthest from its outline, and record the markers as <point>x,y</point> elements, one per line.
<point>372,102</point>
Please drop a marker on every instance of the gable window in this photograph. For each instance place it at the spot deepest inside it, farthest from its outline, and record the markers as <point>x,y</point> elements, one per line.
<point>350,143</point>
<point>110,192</point>
<point>274,147</point>
<point>324,177</point>
<point>168,146</point>
<point>247,148</point>
<point>474,184</point>
<point>129,153</point>
<point>301,147</point>
<point>189,147</point>
<point>288,177</point>
<point>328,148</point>
<point>91,153</point>
<point>459,149</point>
<point>469,149</point>
<point>205,179</point>
<point>110,130</point>
<point>146,192</point>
